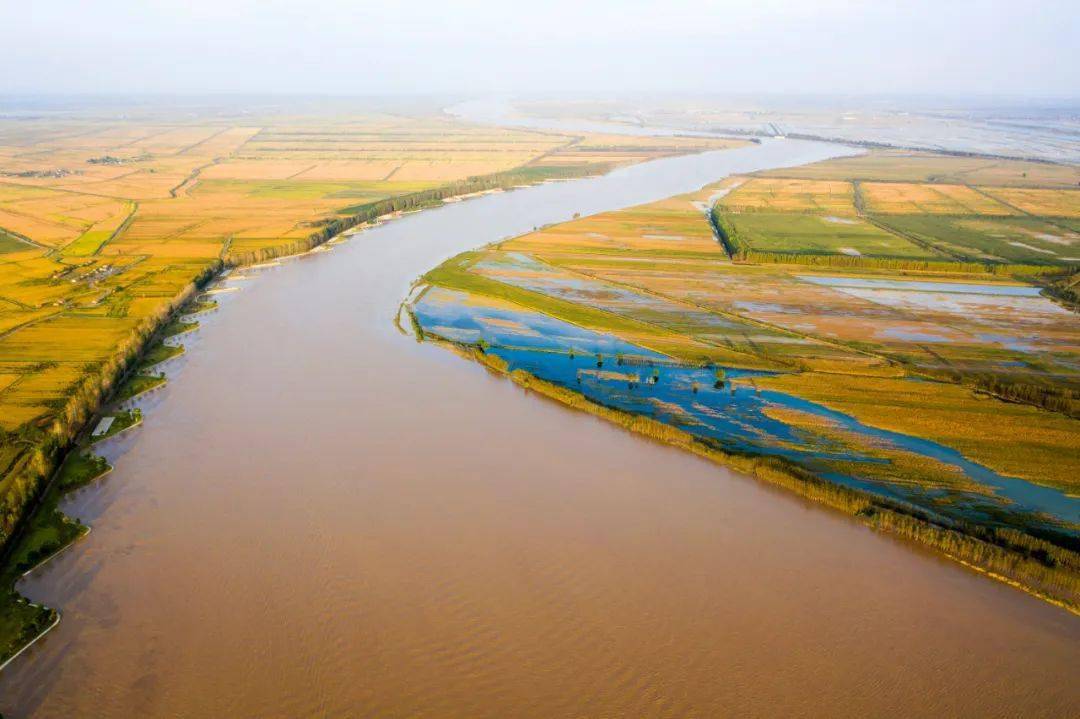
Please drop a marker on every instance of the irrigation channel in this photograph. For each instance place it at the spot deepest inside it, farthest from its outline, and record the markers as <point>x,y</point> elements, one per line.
<point>322,517</point>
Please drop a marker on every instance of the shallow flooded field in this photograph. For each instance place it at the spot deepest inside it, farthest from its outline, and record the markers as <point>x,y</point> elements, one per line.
<point>727,405</point>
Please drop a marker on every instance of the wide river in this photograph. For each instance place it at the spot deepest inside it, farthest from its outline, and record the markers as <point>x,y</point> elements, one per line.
<point>322,518</point>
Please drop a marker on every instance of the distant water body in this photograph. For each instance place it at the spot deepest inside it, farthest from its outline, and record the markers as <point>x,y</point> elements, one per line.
<point>1052,137</point>
<point>321,517</point>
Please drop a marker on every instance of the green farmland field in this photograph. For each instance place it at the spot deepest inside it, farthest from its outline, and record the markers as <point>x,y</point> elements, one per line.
<point>814,234</point>
<point>1025,240</point>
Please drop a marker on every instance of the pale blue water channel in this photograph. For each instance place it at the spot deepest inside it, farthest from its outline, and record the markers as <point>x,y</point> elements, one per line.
<point>616,373</point>
<point>866,283</point>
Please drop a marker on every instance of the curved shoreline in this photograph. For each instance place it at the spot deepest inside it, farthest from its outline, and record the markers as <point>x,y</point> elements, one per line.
<point>346,228</point>
<point>1036,559</point>
<point>132,367</point>
<point>32,642</point>
<point>395,526</point>
<point>865,508</point>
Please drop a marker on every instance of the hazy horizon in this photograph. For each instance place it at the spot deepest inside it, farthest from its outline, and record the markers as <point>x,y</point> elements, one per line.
<point>337,48</point>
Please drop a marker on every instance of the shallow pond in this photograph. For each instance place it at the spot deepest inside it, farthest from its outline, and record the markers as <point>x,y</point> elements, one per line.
<point>958,287</point>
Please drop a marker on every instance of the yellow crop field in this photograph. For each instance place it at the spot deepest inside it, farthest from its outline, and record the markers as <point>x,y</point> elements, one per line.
<point>904,198</point>
<point>449,169</point>
<point>623,149</point>
<point>1047,203</point>
<point>170,141</point>
<point>352,170</point>
<point>53,218</point>
<point>673,226</point>
<point>905,166</point>
<point>787,195</point>
<point>46,233</point>
<point>71,339</point>
<point>293,169</point>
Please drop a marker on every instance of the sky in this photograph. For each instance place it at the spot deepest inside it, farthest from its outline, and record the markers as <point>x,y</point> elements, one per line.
<point>347,47</point>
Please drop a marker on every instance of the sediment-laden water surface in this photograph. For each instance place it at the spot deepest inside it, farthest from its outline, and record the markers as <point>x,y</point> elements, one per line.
<point>321,517</point>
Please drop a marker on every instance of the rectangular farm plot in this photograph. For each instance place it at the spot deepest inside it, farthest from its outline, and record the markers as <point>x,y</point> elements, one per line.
<point>525,272</point>
<point>669,228</point>
<point>59,218</point>
<point>100,232</point>
<point>793,233</point>
<point>596,305</point>
<point>1042,202</point>
<point>981,326</point>
<point>169,141</point>
<point>1024,240</point>
<point>271,169</point>
<point>987,326</point>
<point>906,166</point>
<point>449,169</point>
<point>351,170</point>
<point>775,304</point>
<point>923,198</point>
<point>766,194</point>
<point>41,230</point>
<point>37,392</point>
<point>71,339</point>
<point>896,165</point>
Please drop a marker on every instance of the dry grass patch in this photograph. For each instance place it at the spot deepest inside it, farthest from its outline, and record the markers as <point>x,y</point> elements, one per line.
<point>1045,203</point>
<point>827,197</point>
<point>906,166</point>
<point>917,199</point>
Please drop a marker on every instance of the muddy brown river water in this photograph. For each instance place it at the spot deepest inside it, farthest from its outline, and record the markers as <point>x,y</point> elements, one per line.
<point>322,518</point>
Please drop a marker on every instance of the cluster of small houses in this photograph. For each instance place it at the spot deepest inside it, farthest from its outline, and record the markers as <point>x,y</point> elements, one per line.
<point>53,172</point>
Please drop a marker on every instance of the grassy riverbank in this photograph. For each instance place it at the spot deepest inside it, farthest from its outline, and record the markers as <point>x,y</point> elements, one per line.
<point>45,530</point>
<point>47,533</point>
